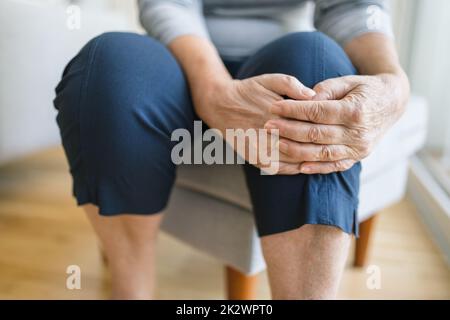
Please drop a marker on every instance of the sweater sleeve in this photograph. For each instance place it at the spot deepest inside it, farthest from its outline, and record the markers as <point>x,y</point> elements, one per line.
<point>167,19</point>
<point>343,20</point>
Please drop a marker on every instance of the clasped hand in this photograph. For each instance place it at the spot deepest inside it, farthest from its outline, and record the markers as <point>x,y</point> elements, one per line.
<point>324,130</point>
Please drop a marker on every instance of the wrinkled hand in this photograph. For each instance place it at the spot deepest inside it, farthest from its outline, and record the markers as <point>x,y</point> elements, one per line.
<point>245,104</point>
<point>342,125</point>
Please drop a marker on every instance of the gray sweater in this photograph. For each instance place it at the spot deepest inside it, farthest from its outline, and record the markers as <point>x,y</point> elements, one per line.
<point>239,27</point>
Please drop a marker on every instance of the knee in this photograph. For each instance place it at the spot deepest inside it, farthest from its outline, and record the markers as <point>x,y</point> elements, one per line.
<point>315,49</point>
<point>126,71</point>
<point>111,78</point>
<point>119,77</point>
<point>113,48</point>
<point>114,45</point>
<point>118,61</point>
<point>309,56</point>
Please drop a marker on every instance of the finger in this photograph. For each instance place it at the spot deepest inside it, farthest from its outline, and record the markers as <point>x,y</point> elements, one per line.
<point>280,167</point>
<point>326,167</point>
<point>301,131</point>
<point>287,159</point>
<point>291,151</point>
<point>335,89</point>
<point>324,112</point>
<point>286,85</point>
<point>287,168</point>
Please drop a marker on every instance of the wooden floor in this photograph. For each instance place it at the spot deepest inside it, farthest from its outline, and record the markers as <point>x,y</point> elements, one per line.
<point>42,232</point>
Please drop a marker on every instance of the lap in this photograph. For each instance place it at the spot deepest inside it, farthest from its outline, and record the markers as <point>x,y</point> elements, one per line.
<point>123,95</point>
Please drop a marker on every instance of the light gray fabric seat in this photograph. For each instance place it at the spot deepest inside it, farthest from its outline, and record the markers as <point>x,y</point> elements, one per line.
<point>210,207</point>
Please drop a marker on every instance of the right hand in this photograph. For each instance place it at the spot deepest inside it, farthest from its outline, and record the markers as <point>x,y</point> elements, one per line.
<point>245,104</point>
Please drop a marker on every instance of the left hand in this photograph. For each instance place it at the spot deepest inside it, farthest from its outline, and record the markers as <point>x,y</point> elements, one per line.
<point>342,124</point>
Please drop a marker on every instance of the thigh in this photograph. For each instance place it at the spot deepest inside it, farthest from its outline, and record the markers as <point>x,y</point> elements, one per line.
<point>118,102</point>
<point>283,203</point>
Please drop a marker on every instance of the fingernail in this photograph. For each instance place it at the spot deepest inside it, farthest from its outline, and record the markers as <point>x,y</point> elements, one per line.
<point>283,146</point>
<point>270,125</point>
<point>308,92</point>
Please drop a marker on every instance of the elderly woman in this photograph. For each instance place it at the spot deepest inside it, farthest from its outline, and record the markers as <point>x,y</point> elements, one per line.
<point>332,94</point>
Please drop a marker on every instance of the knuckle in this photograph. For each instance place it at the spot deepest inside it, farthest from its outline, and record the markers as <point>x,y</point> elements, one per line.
<point>356,115</point>
<point>290,81</point>
<point>365,150</point>
<point>326,153</point>
<point>315,113</point>
<point>313,134</point>
<point>320,87</point>
<point>361,136</point>
<point>354,134</point>
<point>325,88</point>
<point>339,166</point>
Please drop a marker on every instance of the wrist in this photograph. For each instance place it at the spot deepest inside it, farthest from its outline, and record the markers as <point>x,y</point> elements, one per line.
<point>397,83</point>
<point>204,70</point>
<point>210,95</point>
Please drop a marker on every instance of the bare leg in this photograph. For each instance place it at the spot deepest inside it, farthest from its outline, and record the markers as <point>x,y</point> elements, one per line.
<point>129,244</point>
<point>306,263</point>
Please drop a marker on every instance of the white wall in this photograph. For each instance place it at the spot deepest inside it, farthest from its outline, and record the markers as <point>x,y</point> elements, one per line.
<point>403,16</point>
<point>430,65</point>
<point>423,32</point>
<point>35,46</point>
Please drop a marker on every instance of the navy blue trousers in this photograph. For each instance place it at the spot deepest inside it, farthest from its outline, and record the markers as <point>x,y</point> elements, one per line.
<point>123,94</point>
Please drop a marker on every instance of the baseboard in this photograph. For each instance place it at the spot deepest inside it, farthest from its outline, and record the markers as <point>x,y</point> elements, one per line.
<point>432,203</point>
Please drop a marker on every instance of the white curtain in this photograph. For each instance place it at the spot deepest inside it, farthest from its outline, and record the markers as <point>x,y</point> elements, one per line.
<point>423,34</point>
<point>430,65</point>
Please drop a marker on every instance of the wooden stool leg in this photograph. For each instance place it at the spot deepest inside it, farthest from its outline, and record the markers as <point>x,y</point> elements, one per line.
<point>240,286</point>
<point>362,243</point>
